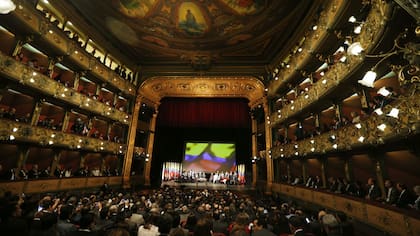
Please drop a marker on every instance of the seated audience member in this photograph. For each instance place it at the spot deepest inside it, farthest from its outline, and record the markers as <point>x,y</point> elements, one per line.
<point>391,193</point>
<point>297,225</point>
<point>260,227</point>
<point>346,226</point>
<point>330,225</point>
<point>149,228</point>
<point>85,226</point>
<point>416,204</point>
<point>405,197</point>
<point>203,227</point>
<point>373,192</point>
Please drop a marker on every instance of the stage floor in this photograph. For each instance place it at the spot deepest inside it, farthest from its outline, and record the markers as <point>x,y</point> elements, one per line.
<point>207,185</point>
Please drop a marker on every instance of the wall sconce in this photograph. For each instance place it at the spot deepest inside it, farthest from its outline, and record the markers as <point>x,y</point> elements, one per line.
<point>6,6</point>
<point>368,79</point>
<point>394,113</point>
<point>384,92</point>
<point>382,127</point>
<point>355,49</point>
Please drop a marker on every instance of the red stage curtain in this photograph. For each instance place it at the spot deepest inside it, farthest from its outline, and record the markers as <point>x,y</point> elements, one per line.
<point>204,112</point>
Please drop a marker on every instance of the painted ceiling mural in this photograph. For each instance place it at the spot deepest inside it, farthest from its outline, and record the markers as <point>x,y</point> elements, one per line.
<point>171,28</point>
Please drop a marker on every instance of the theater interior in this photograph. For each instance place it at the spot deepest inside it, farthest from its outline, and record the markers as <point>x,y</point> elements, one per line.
<point>321,100</point>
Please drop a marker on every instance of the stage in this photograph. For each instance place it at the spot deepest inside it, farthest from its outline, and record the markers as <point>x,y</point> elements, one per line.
<point>207,185</point>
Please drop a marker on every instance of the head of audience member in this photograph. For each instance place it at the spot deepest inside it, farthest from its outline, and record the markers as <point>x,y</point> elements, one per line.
<point>330,224</point>
<point>203,227</point>
<point>388,183</point>
<point>296,223</point>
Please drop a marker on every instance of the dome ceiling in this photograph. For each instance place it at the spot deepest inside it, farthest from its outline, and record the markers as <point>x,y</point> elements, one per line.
<point>201,35</point>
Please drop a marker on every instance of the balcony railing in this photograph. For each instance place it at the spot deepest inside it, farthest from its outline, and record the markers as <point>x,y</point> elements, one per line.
<point>377,129</point>
<point>16,132</point>
<point>340,72</point>
<point>28,17</point>
<point>32,78</point>
<point>393,221</point>
<point>313,41</point>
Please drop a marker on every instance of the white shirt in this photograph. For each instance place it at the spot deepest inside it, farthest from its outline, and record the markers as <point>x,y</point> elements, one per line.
<point>153,231</point>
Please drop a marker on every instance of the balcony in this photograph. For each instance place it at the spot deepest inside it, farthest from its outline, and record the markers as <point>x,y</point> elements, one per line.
<point>30,77</point>
<point>340,72</point>
<point>28,20</point>
<point>16,132</point>
<point>376,130</point>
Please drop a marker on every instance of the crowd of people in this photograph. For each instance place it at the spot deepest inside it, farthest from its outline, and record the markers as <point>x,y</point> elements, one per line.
<point>60,172</point>
<point>398,194</point>
<point>164,211</point>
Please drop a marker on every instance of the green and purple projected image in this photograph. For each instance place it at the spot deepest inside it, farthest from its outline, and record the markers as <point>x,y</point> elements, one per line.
<point>209,157</point>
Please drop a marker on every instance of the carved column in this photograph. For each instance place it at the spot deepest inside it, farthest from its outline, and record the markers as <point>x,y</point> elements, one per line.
<point>55,162</point>
<point>378,160</point>
<point>323,172</point>
<point>126,172</point>
<point>338,111</point>
<point>254,125</point>
<point>149,149</point>
<point>268,145</point>
<point>66,121</point>
<point>317,120</point>
<point>348,168</point>
<point>304,171</point>
<point>36,113</point>
<point>23,152</point>
<point>77,76</point>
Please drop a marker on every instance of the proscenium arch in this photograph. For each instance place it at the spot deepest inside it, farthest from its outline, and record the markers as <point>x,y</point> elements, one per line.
<point>249,87</point>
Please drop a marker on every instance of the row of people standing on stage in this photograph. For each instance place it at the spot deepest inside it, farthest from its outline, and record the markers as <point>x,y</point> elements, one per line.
<point>224,177</point>
<point>193,176</point>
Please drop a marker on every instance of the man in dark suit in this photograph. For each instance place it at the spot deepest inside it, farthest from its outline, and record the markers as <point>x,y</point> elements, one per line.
<point>405,198</point>
<point>373,190</point>
<point>391,192</point>
<point>297,225</point>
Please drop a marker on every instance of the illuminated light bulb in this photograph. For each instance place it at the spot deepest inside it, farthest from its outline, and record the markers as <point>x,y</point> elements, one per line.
<point>394,113</point>
<point>297,153</point>
<point>292,108</point>
<point>279,111</point>
<point>312,141</point>
<point>315,27</point>
<point>352,19</point>
<point>361,139</point>
<point>343,59</point>
<point>281,149</point>
<point>11,137</point>
<point>279,116</point>
<point>335,146</point>
<point>52,135</point>
<point>292,101</point>
<point>102,143</point>
<point>268,117</point>
<point>50,142</point>
<point>378,111</point>
<point>78,146</point>
<point>384,92</point>
<point>63,95</point>
<point>80,140</point>
<point>306,96</point>
<point>76,52</point>
<point>324,81</point>
<point>7,6</point>
<point>322,73</point>
<point>300,49</point>
<point>266,89</point>
<point>50,31</point>
<point>287,66</point>
<point>355,49</point>
<point>368,79</point>
<point>358,125</point>
<point>102,148</point>
<point>382,127</point>
<point>34,73</point>
<point>276,78</point>
<point>15,130</point>
<point>333,136</point>
<point>296,146</point>
<point>268,122</point>
<point>65,89</point>
<point>32,80</point>
<point>282,155</point>
<point>146,160</point>
<point>313,149</point>
<point>357,29</point>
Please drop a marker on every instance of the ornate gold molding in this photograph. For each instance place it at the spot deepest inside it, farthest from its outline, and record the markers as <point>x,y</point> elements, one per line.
<point>31,78</point>
<point>388,220</point>
<point>340,72</point>
<point>16,132</point>
<point>375,130</point>
<point>312,42</point>
<point>28,17</point>
<point>248,87</point>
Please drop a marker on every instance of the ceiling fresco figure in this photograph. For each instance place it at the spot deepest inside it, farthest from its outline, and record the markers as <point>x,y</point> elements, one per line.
<point>244,7</point>
<point>191,19</point>
<point>136,8</point>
